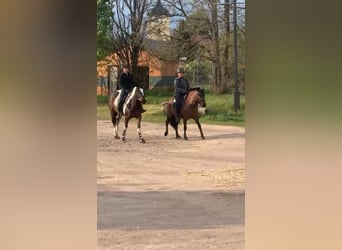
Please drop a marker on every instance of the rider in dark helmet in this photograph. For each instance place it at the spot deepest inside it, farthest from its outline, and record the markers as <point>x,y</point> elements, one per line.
<point>126,85</point>
<point>181,89</point>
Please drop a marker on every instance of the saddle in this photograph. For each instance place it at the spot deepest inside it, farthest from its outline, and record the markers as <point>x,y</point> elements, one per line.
<point>174,101</point>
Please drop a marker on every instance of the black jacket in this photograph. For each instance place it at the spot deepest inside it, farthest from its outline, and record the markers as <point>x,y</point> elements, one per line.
<point>181,86</point>
<point>126,81</point>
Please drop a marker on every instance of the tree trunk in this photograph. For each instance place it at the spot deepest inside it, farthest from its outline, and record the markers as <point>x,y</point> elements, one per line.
<point>225,59</point>
<point>216,50</point>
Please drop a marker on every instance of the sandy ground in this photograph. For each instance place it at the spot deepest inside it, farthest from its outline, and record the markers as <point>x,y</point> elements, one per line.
<point>169,193</point>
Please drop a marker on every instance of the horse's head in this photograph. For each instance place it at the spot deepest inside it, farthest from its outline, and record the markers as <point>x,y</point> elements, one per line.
<point>197,97</point>
<point>201,96</point>
<point>141,95</point>
<point>137,94</point>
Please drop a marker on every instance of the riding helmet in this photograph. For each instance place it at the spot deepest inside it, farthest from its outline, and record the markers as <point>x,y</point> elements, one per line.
<point>180,70</point>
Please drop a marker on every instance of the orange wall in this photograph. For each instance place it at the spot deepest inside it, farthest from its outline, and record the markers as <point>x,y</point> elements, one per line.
<point>156,67</point>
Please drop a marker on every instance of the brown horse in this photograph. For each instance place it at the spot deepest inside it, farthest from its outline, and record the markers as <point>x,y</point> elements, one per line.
<point>132,108</point>
<point>192,102</point>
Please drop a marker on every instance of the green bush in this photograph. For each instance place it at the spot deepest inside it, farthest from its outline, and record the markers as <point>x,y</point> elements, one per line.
<point>102,99</point>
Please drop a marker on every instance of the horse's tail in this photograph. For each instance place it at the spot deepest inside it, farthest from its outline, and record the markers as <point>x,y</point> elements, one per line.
<point>111,100</point>
<point>166,108</point>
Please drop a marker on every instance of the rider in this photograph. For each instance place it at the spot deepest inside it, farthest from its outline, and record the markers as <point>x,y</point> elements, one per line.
<point>126,86</point>
<point>181,89</point>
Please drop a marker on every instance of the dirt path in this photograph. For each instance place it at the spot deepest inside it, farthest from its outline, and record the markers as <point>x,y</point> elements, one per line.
<point>168,193</point>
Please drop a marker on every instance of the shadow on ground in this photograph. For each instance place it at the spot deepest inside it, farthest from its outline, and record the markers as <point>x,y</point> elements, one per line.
<point>169,210</point>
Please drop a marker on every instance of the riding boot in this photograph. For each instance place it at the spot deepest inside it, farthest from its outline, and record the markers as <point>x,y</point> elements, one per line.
<point>178,113</point>
<point>177,118</point>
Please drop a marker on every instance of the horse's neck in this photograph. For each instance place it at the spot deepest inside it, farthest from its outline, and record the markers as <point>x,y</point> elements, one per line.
<point>192,98</point>
<point>131,99</point>
<point>132,95</point>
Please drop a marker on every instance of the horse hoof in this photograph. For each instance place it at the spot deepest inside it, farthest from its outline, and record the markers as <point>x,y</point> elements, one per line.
<point>142,141</point>
<point>186,138</point>
<point>166,133</point>
<point>203,137</point>
<point>116,137</point>
<point>123,139</point>
<point>178,137</point>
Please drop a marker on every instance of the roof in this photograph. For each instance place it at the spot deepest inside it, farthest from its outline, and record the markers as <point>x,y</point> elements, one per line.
<point>159,10</point>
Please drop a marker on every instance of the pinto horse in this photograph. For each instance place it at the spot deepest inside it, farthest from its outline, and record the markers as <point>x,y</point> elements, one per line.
<point>132,108</point>
<point>192,102</point>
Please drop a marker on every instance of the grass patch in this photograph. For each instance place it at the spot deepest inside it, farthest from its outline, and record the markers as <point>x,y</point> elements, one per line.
<point>102,99</point>
<point>156,97</point>
<point>220,108</point>
<point>103,112</point>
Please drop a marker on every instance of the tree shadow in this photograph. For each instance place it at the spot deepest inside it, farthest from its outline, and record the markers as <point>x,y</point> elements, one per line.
<point>225,136</point>
<point>193,137</point>
<point>169,209</point>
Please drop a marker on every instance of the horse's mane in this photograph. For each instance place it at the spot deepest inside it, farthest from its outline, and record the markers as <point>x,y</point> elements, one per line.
<point>197,89</point>
<point>194,88</point>
<point>131,100</point>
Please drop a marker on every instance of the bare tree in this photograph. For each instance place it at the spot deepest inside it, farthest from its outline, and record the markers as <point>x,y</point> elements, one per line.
<point>196,44</point>
<point>129,28</point>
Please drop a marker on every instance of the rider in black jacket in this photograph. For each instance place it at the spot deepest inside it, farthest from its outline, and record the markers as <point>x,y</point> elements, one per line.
<point>126,86</point>
<point>181,89</point>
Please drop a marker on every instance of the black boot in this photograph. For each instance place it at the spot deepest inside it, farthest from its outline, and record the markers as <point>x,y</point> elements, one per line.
<point>177,118</point>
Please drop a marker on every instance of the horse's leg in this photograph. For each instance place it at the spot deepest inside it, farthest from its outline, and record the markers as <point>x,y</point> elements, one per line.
<point>115,123</point>
<point>141,139</point>
<point>117,126</point>
<point>199,127</point>
<point>176,128</point>
<point>123,137</point>
<point>185,127</point>
<point>166,127</point>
